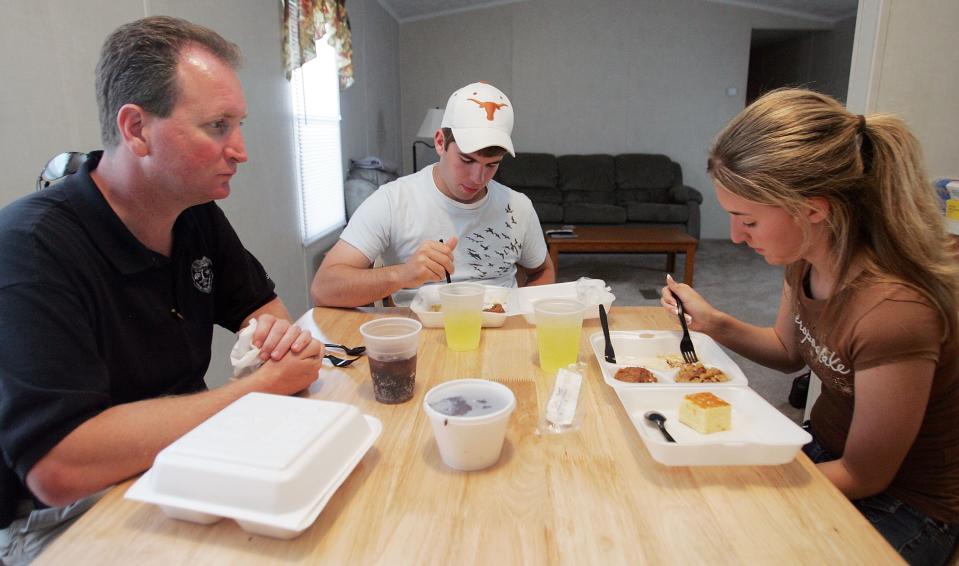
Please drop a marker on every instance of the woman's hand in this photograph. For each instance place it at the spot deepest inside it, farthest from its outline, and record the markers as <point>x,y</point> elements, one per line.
<point>700,315</point>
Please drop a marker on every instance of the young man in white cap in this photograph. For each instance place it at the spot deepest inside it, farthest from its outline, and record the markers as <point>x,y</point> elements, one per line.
<point>449,217</point>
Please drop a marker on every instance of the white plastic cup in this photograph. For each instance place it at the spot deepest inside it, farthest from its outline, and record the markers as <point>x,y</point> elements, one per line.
<point>462,314</point>
<point>474,440</point>
<point>559,323</point>
<point>391,345</point>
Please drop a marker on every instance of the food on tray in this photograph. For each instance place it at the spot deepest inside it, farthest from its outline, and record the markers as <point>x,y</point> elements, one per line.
<point>635,375</point>
<point>495,307</point>
<point>661,362</point>
<point>705,413</point>
<point>673,360</point>
<point>696,372</point>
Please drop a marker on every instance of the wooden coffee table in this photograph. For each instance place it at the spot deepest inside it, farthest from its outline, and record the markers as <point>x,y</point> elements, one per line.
<point>627,239</point>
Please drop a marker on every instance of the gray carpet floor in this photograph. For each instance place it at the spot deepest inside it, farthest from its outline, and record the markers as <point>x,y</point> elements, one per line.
<point>732,277</point>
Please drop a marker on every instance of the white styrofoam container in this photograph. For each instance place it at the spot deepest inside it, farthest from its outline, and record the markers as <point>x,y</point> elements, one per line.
<point>526,296</point>
<point>270,462</point>
<point>632,347</point>
<point>760,434</point>
<point>430,295</point>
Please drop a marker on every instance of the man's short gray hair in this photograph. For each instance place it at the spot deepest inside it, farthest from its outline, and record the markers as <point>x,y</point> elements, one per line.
<point>138,65</point>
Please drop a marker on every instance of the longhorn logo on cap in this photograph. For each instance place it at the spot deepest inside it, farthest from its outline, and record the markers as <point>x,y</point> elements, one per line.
<point>490,107</point>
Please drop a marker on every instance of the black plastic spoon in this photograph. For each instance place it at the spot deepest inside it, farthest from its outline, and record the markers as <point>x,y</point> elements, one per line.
<point>660,421</point>
<point>349,351</point>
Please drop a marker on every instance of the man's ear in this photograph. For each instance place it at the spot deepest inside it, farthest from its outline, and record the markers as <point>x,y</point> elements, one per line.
<point>818,210</point>
<point>439,142</point>
<point>132,122</point>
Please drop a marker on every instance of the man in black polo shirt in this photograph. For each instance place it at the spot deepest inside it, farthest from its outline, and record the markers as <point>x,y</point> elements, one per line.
<point>111,282</point>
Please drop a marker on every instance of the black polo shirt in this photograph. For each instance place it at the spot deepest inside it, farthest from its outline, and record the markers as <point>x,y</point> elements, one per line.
<point>90,318</point>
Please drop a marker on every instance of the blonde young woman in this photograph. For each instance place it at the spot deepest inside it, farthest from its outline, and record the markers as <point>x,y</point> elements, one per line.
<point>869,302</point>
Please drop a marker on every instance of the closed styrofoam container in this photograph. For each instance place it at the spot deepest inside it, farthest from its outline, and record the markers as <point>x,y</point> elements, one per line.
<point>645,347</point>
<point>430,295</point>
<point>270,462</point>
<point>760,434</point>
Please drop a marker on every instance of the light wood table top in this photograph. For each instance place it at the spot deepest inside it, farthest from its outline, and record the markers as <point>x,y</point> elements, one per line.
<point>590,497</point>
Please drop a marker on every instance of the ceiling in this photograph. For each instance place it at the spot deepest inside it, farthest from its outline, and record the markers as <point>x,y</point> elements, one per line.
<point>820,10</point>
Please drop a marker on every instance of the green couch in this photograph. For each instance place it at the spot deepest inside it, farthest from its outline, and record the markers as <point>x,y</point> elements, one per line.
<point>630,189</point>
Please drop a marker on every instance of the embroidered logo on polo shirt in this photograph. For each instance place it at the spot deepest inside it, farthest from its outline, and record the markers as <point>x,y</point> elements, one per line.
<point>203,274</point>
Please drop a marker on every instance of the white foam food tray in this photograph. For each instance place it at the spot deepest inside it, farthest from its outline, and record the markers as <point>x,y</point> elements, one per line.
<point>760,434</point>
<point>429,295</point>
<point>649,349</point>
<point>526,296</point>
<point>270,462</point>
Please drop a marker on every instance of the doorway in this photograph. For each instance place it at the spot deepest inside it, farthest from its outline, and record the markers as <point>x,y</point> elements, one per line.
<point>816,59</point>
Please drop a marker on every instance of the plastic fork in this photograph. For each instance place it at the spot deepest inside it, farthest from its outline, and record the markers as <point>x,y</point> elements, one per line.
<point>686,344</point>
<point>349,351</point>
<point>339,362</point>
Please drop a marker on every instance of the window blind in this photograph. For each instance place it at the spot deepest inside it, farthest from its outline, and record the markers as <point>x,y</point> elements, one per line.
<point>316,127</point>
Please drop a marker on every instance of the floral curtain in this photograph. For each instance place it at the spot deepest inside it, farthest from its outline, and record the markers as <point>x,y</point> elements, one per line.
<point>307,21</point>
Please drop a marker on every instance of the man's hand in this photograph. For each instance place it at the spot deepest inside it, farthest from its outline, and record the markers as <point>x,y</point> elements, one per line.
<point>429,263</point>
<point>276,336</point>
<point>291,373</point>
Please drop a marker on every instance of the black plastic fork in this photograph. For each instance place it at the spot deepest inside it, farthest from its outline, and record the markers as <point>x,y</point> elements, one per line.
<point>339,362</point>
<point>686,344</point>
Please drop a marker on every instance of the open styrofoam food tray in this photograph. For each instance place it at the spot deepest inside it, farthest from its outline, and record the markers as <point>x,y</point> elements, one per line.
<point>647,348</point>
<point>526,296</point>
<point>760,434</point>
<point>270,462</point>
<point>429,295</point>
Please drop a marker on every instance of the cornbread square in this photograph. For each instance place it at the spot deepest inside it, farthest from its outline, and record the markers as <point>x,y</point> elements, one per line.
<point>705,413</point>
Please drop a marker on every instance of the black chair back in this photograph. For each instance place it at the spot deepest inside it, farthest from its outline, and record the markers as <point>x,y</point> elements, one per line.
<point>61,165</point>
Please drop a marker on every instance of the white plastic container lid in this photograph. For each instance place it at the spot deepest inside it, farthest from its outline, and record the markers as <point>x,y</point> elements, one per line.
<point>526,296</point>
<point>269,461</point>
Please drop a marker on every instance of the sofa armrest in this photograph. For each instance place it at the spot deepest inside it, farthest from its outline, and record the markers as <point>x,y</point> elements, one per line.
<point>685,193</point>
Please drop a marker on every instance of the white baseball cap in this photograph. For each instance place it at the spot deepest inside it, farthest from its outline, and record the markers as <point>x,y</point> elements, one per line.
<point>480,116</point>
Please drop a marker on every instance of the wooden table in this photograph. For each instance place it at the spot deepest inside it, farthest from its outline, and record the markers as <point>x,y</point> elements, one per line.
<point>627,239</point>
<point>590,497</point>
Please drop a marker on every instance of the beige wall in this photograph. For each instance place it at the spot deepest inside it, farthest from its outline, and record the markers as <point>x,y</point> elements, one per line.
<point>605,76</point>
<point>917,76</point>
<point>47,106</point>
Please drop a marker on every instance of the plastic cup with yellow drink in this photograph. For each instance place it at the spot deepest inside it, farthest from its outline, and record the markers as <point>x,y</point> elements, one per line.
<point>559,323</point>
<point>462,314</point>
